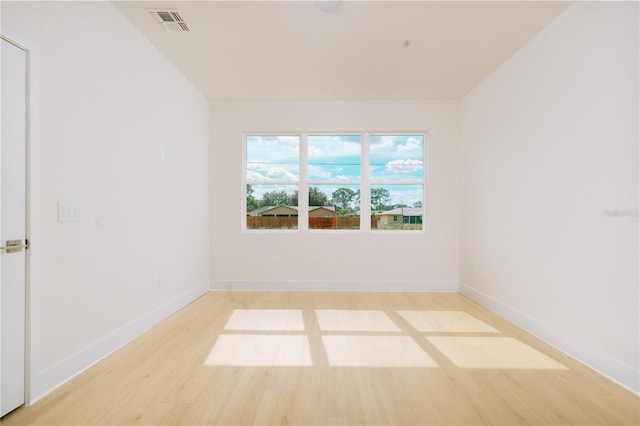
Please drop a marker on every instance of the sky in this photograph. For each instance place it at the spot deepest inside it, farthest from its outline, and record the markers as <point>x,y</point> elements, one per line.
<point>335,161</point>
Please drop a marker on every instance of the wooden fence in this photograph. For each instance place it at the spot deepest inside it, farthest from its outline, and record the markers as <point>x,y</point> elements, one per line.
<point>259,222</point>
<point>334,223</point>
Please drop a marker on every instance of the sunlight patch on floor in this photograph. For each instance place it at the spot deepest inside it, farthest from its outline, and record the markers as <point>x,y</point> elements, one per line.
<point>492,352</point>
<point>260,350</point>
<point>266,320</point>
<point>445,321</point>
<point>375,351</point>
<point>354,320</point>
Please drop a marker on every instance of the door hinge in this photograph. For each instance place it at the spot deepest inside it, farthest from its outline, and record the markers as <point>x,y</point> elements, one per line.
<point>15,246</point>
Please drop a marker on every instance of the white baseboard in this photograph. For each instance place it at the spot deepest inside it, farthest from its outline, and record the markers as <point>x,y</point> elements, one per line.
<point>347,285</point>
<point>625,375</point>
<point>58,374</point>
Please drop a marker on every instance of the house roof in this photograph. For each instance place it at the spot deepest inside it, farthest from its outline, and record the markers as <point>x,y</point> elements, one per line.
<point>330,208</point>
<point>261,210</point>
<point>402,211</point>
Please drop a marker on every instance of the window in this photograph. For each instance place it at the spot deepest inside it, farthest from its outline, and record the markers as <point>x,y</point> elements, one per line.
<point>350,181</point>
<point>396,165</point>
<point>334,168</point>
<point>272,180</point>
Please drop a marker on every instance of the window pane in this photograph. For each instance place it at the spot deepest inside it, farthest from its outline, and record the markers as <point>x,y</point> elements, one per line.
<point>334,207</point>
<point>334,157</point>
<point>272,206</point>
<point>396,158</point>
<point>273,158</point>
<point>397,207</point>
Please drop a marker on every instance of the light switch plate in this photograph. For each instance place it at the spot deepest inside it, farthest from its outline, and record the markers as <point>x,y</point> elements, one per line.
<point>69,212</point>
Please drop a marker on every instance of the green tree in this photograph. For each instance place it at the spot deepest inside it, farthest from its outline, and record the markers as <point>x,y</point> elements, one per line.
<point>343,196</point>
<point>417,204</point>
<point>252,203</point>
<point>379,198</point>
<point>317,197</point>
<point>276,198</point>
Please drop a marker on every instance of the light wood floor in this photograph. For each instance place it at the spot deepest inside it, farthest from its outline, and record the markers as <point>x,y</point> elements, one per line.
<point>335,358</point>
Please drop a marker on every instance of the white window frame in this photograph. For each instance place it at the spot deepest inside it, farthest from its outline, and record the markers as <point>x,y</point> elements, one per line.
<point>310,183</point>
<point>246,182</point>
<point>365,183</point>
<point>422,181</point>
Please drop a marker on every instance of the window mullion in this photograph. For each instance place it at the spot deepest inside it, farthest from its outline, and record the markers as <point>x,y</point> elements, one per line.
<point>365,186</point>
<point>303,186</point>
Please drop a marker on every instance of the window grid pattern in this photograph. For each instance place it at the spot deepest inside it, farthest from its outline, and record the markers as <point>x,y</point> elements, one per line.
<point>356,182</point>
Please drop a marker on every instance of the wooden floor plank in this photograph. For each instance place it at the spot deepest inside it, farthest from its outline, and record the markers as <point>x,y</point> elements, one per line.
<point>168,376</point>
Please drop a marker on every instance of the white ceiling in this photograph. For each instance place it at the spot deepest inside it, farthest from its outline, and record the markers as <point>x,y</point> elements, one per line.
<point>292,50</point>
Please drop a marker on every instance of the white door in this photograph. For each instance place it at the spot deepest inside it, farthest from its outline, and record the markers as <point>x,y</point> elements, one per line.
<point>13,226</point>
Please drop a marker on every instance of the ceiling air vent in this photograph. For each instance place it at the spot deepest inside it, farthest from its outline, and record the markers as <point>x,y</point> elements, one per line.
<point>169,20</point>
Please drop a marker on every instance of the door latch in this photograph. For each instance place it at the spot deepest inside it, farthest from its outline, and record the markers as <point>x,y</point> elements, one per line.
<point>15,246</point>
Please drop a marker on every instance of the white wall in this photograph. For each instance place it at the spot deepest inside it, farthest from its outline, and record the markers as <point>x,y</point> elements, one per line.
<point>550,148</point>
<point>334,261</point>
<point>549,154</point>
<point>108,102</point>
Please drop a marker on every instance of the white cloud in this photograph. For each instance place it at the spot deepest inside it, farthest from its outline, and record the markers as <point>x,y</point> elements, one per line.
<point>316,172</point>
<point>405,194</point>
<point>257,167</point>
<point>267,172</point>
<point>333,149</point>
<point>315,151</point>
<point>412,144</point>
<point>280,173</point>
<point>253,175</point>
<point>384,144</point>
<point>273,148</point>
<point>404,166</point>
